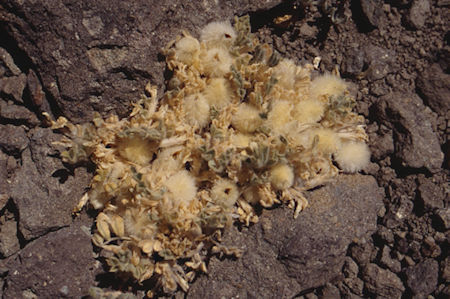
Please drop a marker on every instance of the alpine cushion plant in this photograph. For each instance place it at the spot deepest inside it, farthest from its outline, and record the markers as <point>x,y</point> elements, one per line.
<point>237,127</point>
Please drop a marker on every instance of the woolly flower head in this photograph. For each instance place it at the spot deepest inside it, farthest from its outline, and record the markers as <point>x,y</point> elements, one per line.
<point>137,149</point>
<point>216,62</point>
<point>281,176</point>
<point>353,156</point>
<point>182,188</point>
<point>279,115</point>
<point>187,49</point>
<point>218,34</point>
<point>327,85</point>
<point>218,93</point>
<point>328,140</point>
<point>246,119</point>
<point>285,72</point>
<point>308,111</point>
<point>224,193</point>
<point>197,110</point>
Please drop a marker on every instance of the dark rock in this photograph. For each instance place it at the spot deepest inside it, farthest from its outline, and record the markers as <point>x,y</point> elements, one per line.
<point>445,269</point>
<point>443,216</point>
<point>58,265</point>
<point>355,285</point>
<point>444,58</point>
<point>15,113</point>
<point>307,31</point>
<point>389,262</point>
<point>299,250</point>
<point>311,248</point>
<point>381,145</point>
<point>89,61</point>
<point>13,86</point>
<point>329,291</point>
<point>379,62</point>
<point>13,139</point>
<point>372,10</point>
<point>350,268</point>
<point>418,13</point>
<point>434,87</point>
<point>43,190</point>
<point>416,145</point>
<point>9,244</point>
<point>385,234</point>
<point>430,195</point>
<point>430,248</point>
<point>398,212</point>
<point>35,89</point>
<point>4,176</point>
<point>8,62</point>
<point>382,282</point>
<point>353,62</point>
<point>422,278</point>
<point>362,252</point>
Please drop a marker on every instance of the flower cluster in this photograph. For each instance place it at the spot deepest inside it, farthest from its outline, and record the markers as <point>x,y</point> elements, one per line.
<point>238,127</point>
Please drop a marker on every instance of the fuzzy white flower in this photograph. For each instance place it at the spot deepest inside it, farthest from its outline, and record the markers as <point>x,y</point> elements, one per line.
<point>187,49</point>
<point>225,193</point>
<point>281,176</point>
<point>246,119</point>
<point>308,111</point>
<point>353,156</point>
<point>218,34</point>
<point>216,62</point>
<point>197,110</point>
<point>218,93</point>
<point>327,85</point>
<point>182,188</point>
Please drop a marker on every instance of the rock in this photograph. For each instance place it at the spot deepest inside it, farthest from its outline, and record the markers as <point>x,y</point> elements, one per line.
<point>385,234</point>
<point>329,291</point>
<point>13,139</point>
<point>9,244</point>
<point>422,278</point>
<point>35,89</point>
<point>362,252</point>
<point>308,32</point>
<point>13,86</point>
<point>381,145</point>
<point>389,262</point>
<point>382,282</point>
<point>88,61</point>
<point>430,195</point>
<point>398,212</point>
<point>350,268</point>
<point>379,61</point>
<point>416,145</point>
<point>445,269</point>
<point>418,13</point>
<point>434,87</point>
<point>353,62</point>
<point>311,248</point>
<point>430,248</point>
<point>355,285</point>
<point>8,62</point>
<point>372,11</point>
<point>17,114</point>
<point>443,217</point>
<point>58,265</point>
<point>4,184</point>
<point>43,190</point>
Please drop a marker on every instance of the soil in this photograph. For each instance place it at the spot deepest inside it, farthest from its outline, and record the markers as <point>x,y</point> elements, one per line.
<point>382,233</point>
